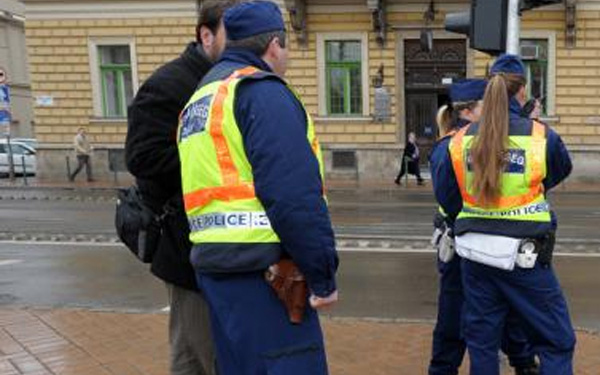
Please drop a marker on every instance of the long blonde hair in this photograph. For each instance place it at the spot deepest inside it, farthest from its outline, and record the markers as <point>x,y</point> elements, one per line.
<point>491,142</point>
<point>449,114</point>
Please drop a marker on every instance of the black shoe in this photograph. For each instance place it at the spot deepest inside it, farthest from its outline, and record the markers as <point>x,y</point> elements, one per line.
<point>531,370</point>
<point>397,182</point>
<point>421,182</point>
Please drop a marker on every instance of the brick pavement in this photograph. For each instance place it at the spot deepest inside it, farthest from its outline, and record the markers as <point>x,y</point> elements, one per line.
<point>80,342</point>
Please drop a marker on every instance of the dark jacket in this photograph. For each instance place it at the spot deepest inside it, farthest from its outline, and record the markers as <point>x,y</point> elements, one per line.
<point>152,156</point>
<point>447,192</point>
<point>286,172</point>
<point>410,158</point>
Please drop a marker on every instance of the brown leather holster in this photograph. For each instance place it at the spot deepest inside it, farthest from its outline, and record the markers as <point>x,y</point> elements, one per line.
<point>290,286</point>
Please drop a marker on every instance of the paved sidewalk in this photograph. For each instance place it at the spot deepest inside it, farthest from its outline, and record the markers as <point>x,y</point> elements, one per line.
<point>80,342</point>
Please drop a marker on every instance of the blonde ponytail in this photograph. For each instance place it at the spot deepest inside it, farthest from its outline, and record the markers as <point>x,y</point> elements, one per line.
<point>491,142</point>
<point>444,120</point>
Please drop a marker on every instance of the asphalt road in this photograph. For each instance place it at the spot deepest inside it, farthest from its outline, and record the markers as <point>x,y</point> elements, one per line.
<point>394,213</point>
<point>372,284</point>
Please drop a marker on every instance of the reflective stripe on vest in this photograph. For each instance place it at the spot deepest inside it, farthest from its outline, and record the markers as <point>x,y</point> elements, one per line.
<point>217,180</point>
<point>522,198</point>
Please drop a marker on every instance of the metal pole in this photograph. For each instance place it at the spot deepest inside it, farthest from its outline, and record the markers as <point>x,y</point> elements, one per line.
<point>11,161</point>
<point>68,167</point>
<point>24,170</point>
<point>513,28</point>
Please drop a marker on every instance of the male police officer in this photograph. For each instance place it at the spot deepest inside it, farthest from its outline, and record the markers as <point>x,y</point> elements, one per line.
<point>252,181</point>
<point>152,157</point>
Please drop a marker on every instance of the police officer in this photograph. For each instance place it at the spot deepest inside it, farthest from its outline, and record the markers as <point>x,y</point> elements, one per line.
<point>494,179</point>
<point>252,176</point>
<point>449,347</point>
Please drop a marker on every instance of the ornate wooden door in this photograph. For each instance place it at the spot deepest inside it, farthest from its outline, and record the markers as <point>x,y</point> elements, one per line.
<point>427,77</point>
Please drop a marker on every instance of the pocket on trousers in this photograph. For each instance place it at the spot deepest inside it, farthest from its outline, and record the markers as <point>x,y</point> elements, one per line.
<point>297,360</point>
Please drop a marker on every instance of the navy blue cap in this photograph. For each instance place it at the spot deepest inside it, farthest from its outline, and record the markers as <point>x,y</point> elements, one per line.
<point>510,64</point>
<point>252,18</point>
<point>467,90</point>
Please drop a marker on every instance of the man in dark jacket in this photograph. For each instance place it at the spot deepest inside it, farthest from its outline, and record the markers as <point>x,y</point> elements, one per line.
<point>151,154</point>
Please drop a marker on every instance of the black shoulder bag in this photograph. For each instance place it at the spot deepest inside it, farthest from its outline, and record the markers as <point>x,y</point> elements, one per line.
<point>138,227</point>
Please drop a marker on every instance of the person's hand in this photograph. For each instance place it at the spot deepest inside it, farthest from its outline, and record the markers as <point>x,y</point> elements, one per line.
<point>537,110</point>
<point>323,302</point>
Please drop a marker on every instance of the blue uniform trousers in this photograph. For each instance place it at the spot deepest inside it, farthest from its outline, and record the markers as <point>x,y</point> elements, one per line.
<point>252,333</point>
<point>449,345</point>
<point>535,296</point>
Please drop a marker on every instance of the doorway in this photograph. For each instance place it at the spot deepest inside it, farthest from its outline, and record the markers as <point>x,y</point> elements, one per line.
<point>427,77</point>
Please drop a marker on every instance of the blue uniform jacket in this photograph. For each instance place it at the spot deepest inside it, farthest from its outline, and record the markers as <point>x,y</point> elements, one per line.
<point>447,192</point>
<point>286,172</point>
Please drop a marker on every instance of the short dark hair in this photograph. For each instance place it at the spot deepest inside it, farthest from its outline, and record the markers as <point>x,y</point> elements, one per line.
<point>210,12</point>
<point>258,44</point>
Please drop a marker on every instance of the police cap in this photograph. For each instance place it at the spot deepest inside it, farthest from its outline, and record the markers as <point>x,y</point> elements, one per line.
<point>252,18</point>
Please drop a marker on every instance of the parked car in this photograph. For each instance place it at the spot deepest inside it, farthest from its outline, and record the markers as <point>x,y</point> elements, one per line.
<point>21,153</point>
<point>31,142</point>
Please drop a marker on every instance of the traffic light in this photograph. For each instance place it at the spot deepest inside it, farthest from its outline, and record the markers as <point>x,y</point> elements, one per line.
<point>485,25</point>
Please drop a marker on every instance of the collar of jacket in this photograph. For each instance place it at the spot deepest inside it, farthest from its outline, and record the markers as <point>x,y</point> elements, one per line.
<point>515,108</point>
<point>461,123</point>
<point>194,56</point>
<point>244,57</point>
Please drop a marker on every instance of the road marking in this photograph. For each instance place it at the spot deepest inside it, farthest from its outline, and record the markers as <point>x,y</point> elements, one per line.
<point>63,243</point>
<point>9,262</point>
<point>374,250</point>
<point>431,251</point>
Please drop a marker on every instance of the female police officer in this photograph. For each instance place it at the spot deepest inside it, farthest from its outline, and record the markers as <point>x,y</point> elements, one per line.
<point>493,179</point>
<point>449,347</point>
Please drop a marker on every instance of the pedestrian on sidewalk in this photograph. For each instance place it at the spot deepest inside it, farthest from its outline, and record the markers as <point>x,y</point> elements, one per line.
<point>151,154</point>
<point>83,151</point>
<point>449,346</point>
<point>410,160</point>
<point>494,180</point>
<point>252,173</point>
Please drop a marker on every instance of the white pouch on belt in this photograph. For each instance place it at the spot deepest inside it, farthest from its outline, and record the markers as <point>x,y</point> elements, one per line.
<point>491,250</point>
<point>446,248</point>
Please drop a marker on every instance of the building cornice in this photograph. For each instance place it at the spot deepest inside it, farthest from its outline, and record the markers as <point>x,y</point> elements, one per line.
<point>40,10</point>
<point>103,9</point>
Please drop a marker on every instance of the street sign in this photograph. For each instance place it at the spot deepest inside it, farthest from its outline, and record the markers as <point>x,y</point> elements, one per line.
<point>4,121</point>
<point>4,96</point>
<point>3,77</point>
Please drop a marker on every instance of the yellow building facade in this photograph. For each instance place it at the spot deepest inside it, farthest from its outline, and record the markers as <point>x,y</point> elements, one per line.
<point>367,85</point>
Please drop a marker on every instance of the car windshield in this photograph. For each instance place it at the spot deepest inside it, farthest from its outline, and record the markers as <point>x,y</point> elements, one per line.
<point>18,149</point>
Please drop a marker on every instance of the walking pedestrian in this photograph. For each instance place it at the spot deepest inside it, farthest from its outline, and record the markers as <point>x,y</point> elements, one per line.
<point>494,180</point>
<point>152,157</point>
<point>449,346</point>
<point>410,160</point>
<point>252,175</point>
<point>83,151</point>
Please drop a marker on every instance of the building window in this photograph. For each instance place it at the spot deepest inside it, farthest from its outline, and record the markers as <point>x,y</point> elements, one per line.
<point>535,57</point>
<point>116,81</point>
<point>343,74</point>
<point>113,74</point>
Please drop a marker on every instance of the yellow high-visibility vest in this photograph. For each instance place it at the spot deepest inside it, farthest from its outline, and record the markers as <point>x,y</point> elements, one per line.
<point>217,179</point>
<point>522,195</point>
